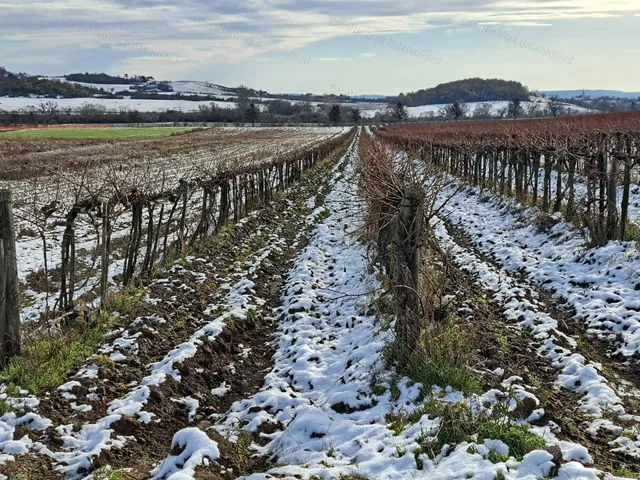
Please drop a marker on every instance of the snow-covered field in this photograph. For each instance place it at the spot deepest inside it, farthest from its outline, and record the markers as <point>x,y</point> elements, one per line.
<point>112,104</point>
<point>325,364</point>
<point>190,87</point>
<point>600,283</point>
<point>368,109</point>
<point>496,108</point>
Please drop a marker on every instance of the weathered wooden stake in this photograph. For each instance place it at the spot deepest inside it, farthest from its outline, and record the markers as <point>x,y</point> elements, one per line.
<point>407,238</point>
<point>104,261</point>
<point>9,291</point>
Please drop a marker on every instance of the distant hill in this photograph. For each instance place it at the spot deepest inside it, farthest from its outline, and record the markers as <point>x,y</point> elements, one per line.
<point>102,85</point>
<point>24,85</point>
<point>592,93</point>
<point>468,90</point>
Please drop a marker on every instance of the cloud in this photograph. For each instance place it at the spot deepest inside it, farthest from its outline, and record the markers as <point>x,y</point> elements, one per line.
<point>367,55</point>
<point>529,24</point>
<point>333,59</point>
<point>172,29</point>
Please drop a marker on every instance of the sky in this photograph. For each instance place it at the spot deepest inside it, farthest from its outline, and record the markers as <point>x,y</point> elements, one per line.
<point>333,46</point>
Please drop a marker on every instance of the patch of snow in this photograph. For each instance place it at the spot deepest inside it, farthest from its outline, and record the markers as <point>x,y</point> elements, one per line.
<point>196,449</point>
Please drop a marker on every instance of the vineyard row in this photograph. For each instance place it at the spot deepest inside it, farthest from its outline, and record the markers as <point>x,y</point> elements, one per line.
<point>167,222</point>
<point>542,163</point>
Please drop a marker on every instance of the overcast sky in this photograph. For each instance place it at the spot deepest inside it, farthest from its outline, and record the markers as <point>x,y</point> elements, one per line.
<point>350,46</point>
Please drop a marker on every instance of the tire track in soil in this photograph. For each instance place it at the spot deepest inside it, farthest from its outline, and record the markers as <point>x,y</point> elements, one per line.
<point>284,218</point>
<point>518,355</point>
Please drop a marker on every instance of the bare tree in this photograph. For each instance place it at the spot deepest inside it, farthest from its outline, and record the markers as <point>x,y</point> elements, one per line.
<point>482,110</point>
<point>252,113</point>
<point>456,110</point>
<point>355,115</point>
<point>532,110</point>
<point>243,95</point>
<point>400,112</point>
<point>335,114</point>
<point>515,108</point>
<point>554,106</point>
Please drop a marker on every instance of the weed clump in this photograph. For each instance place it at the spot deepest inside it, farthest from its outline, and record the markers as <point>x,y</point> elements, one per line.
<point>544,222</point>
<point>107,474</point>
<point>458,423</point>
<point>443,357</point>
<point>48,357</point>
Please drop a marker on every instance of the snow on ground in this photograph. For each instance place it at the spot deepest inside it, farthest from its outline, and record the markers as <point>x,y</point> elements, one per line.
<point>196,449</point>
<point>153,105</point>
<point>432,110</point>
<point>329,352</point>
<point>166,170</point>
<point>108,87</point>
<point>234,299</point>
<point>113,104</point>
<point>580,191</point>
<point>235,302</point>
<point>577,375</point>
<point>602,284</point>
<point>189,87</point>
<point>368,109</point>
<point>200,88</point>
<point>598,399</point>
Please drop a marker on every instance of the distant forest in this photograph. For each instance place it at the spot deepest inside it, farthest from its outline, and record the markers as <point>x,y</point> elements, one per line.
<point>469,90</point>
<point>106,79</point>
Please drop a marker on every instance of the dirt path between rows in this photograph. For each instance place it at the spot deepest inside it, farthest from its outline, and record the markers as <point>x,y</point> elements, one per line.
<point>507,346</point>
<point>593,348</point>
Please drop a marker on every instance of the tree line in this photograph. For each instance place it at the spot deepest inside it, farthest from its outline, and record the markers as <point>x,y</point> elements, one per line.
<point>468,90</point>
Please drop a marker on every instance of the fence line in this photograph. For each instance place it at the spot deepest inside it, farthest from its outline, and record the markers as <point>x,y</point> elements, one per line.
<point>166,223</point>
<point>524,163</point>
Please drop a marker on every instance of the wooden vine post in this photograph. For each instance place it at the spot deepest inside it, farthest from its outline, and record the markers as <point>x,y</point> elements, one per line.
<point>104,259</point>
<point>9,289</point>
<point>407,233</point>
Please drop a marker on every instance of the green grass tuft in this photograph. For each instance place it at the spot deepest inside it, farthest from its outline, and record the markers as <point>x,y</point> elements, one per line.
<point>322,214</point>
<point>444,373</point>
<point>107,474</point>
<point>625,473</point>
<point>632,232</point>
<point>4,408</point>
<point>459,424</point>
<point>47,359</point>
<point>442,358</point>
